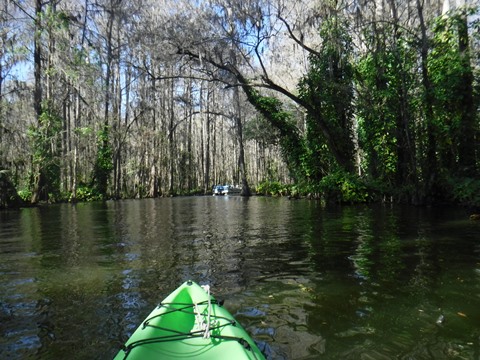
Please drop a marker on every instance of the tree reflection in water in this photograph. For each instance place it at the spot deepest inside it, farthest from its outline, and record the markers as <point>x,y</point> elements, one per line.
<point>308,282</point>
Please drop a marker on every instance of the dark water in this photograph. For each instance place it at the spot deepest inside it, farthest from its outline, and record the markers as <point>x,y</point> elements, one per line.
<point>307,282</point>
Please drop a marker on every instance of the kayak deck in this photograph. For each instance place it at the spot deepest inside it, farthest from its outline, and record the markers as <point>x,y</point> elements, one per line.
<point>188,324</point>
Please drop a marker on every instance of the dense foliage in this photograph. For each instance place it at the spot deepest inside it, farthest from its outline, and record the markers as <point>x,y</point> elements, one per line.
<point>121,101</point>
<point>103,164</point>
<point>45,138</point>
<point>327,89</point>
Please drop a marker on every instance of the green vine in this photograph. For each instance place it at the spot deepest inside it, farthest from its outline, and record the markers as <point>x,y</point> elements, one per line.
<point>103,164</point>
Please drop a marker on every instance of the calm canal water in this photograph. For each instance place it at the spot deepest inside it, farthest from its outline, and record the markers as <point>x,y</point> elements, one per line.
<point>360,282</point>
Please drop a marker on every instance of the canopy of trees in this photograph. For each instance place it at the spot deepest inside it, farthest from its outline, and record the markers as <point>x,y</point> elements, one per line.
<point>354,101</point>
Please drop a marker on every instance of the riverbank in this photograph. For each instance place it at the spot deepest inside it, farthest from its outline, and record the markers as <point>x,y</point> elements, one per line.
<point>337,188</point>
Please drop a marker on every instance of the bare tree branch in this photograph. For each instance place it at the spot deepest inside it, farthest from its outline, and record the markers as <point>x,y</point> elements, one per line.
<point>296,39</point>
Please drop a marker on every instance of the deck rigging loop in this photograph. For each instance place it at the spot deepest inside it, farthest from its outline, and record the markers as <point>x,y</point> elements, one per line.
<point>204,322</point>
<point>201,323</point>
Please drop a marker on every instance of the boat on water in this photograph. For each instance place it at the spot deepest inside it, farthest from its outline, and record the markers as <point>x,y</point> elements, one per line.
<point>190,324</point>
<point>226,190</point>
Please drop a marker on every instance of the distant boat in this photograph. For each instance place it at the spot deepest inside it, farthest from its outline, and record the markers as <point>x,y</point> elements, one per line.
<point>218,190</point>
<point>226,190</point>
<point>231,189</point>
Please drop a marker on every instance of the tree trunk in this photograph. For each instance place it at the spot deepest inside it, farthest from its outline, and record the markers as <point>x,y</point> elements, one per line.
<point>37,97</point>
<point>405,167</point>
<point>171,145</point>
<point>241,152</point>
<point>206,181</point>
<point>466,147</point>
<point>430,163</point>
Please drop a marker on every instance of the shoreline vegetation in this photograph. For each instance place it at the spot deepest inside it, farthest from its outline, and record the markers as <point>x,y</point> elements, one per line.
<point>335,190</point>
<point>304,99</point>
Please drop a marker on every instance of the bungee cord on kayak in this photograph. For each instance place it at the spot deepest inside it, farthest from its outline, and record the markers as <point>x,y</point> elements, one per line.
<point>202,323</point>
<point>194,312</point>
<point>189,329</point>
<point>204,327</point>
<point>241,341</point>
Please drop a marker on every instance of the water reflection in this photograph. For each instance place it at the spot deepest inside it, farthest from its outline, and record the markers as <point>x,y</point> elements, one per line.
<point>307,282</point>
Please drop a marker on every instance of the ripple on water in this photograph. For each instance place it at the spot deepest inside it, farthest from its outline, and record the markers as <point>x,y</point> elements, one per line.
<point>306,281</point>
<point>251,312</point>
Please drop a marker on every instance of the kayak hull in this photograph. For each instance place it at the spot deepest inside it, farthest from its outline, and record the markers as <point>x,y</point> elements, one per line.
<point>190,324</point>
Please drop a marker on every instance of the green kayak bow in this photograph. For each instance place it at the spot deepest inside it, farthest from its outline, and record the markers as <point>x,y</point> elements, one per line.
<point>190,324</point>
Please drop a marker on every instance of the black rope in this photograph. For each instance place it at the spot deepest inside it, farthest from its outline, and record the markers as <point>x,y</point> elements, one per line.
<point>185,306</point>
<point>219,326</point>
<point>181,335</point>
<point>197,334</point>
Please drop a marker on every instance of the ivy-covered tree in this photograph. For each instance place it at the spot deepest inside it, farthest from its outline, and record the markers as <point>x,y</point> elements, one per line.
<point>103,164</point>
<point>291,143</point>
<point>385,107</point>
<point>376,118</point>
<point>455,105</point>
<point>327,89</point>
<point>45,142</point>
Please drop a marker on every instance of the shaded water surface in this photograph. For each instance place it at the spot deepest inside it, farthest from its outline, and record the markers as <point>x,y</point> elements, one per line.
<point>306,282</point>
